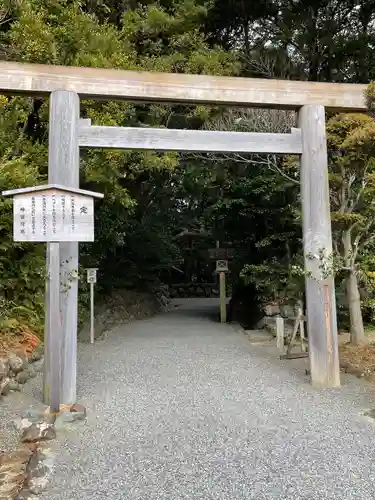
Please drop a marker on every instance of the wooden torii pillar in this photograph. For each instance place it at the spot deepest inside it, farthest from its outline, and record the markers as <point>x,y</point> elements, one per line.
<point>317,238</point>
<point>63,169</point>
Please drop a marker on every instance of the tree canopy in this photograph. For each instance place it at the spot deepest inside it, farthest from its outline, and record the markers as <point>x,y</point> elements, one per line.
<point>248,202</point>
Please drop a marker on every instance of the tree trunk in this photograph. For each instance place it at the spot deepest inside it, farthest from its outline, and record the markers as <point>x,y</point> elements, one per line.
<point>357,332</point>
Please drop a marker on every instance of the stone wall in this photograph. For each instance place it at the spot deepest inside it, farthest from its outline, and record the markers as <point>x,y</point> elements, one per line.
<point>271,311</point>
<point>16,367</point>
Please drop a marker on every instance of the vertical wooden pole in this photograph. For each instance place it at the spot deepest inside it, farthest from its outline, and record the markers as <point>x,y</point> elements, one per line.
<point>52,373</point>
<point>301,327</point>
<point>320,292</point>
<point>92,336</point>
<point>47,350</point>
<point>280,341</point>
<point>217,277</point>
<point>223,302</point>
<point>63,169</point>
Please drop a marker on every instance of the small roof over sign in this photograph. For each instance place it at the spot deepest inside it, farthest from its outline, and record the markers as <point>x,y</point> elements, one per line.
<point>45,187</point>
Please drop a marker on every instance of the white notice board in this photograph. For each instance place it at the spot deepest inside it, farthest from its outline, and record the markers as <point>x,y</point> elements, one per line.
<point>91,275</point>
<point>52,216</point>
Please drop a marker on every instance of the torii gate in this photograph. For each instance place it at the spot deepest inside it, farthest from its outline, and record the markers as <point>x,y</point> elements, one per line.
<point>67,133</point>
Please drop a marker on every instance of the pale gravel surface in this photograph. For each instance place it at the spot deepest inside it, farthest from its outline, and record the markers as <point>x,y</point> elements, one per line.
<point>180,407</point>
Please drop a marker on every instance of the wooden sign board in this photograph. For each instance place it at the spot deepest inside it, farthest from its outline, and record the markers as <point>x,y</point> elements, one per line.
<point>50,214</point>
<point>222,266</point>
<point>91,275</point>
<point>221,253</point>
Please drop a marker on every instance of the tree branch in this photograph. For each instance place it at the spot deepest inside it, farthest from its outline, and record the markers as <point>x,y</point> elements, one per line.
<point>362,233</point>
<point>368,240</point>
<point>278,170</point>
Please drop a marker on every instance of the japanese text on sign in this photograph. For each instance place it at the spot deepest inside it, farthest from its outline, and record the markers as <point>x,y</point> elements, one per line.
<point>33,215</point>
<point>53,216</point>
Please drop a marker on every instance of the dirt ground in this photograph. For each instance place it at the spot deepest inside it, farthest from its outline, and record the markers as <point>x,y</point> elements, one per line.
<point>358,360</point>
<point>23,340</point>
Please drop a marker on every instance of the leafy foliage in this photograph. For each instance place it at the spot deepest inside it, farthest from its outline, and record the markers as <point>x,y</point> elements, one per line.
<point>352,170</point>
<point>318,40</point>
<point>136,220</point>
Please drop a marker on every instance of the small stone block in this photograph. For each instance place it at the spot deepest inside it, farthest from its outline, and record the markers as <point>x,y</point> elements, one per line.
<point>31,372</point>
<point>38,365</point>
<point>77,408</point>
<point>14,386</point>
<point>15,363</point>
<point>37,354</point>
<point>66,416</point>
<point>4,386</point>
<point>38,432</point>
<point>22,377</point>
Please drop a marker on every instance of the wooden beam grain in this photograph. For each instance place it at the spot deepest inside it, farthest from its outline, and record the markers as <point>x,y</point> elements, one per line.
<point>63,169</point>
<point>53,336</point>
<point>38,79</point>
<point>189,140</point>
<point>317,237</point>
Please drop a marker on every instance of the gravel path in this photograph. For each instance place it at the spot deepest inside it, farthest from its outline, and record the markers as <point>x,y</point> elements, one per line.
<point>180,407</point>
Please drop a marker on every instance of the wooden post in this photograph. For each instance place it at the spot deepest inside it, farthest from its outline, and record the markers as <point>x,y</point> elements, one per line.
<point>301,327</point>
<point>52,373</point>
<point>63,169</point>
<point>47,351</point>
<point>223,304</point>
<point>320,292</point>
<point>92,333</point>
<point>217,276</point>
<point>280,333</point>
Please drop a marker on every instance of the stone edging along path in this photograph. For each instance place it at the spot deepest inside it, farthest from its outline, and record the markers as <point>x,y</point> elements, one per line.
<point>16,368</point>
<point>25,471</point>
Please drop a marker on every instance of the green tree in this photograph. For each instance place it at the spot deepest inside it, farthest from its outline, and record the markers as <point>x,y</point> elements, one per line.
<point>319,40</point>
<point>21,265</point>
<point>139,37</point>
<point>352,195</point>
